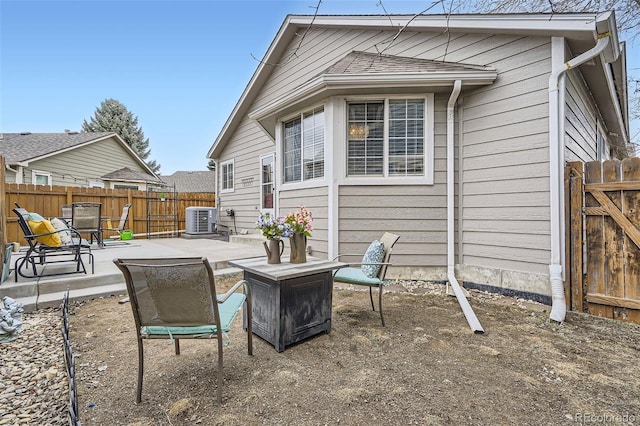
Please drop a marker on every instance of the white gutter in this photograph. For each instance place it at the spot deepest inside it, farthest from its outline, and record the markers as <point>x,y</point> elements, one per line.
<point>614,99</point>
<point>457,289</point>
<point>556,160</point>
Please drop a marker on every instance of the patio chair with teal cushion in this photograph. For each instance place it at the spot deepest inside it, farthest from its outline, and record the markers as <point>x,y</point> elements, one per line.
<point>372,270</point>
<point>175,298</point>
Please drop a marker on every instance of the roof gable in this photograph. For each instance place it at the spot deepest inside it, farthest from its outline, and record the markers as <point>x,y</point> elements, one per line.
<point>25,147</point>
<point>580,30</point>
<point>18,147</point>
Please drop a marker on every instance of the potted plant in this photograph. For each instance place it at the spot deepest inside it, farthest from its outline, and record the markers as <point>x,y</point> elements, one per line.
<point>273,229</point>
<point>300,225</point>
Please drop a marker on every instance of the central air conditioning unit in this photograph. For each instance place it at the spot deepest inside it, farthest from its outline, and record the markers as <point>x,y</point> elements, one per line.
<point>200,220</point>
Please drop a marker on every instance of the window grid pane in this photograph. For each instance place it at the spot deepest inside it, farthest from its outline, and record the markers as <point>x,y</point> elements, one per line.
<point>365,139</point>
<point>292,150</point>
<point>227,176</point>
<point>406,137</point>
<point>313,144</point>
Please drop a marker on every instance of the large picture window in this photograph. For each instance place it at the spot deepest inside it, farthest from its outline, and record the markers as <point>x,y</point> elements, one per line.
<point>386,138</point>
<point>226,174</point>
<point>303,146</point>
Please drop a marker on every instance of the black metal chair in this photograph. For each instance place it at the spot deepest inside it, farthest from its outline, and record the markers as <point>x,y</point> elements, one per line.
<point>41,251</point>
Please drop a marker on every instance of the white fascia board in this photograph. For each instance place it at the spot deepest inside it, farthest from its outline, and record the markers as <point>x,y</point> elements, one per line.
<point>571,23</point>
<point>373,81</point>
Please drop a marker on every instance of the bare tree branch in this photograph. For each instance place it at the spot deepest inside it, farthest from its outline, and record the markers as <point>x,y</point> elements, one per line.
<point>294,54</point>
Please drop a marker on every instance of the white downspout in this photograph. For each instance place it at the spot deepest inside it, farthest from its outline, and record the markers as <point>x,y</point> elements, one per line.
<point>20,174</point>
<point>556,164</point>
<point>457,289</point>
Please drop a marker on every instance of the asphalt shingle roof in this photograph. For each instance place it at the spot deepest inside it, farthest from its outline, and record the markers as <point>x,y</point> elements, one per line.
<point>17,147</point>
<point>192,181</point>
<point>373,63</point>
<point>126,174</point>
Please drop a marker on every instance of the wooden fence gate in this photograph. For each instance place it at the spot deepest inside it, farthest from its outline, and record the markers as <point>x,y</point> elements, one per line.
<point>603,238</point>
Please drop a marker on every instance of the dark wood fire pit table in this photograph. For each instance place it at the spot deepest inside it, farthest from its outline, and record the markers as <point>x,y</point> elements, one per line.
<point>291,301</point>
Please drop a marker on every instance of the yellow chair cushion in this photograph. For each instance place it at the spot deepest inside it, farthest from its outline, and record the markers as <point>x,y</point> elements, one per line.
<point>39,225</point>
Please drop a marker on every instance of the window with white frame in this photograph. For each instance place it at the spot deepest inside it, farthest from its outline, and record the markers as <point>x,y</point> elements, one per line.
<point>387,138</point>
<point>41,178</point>
<point>303,146</point>
<point>226,173</point>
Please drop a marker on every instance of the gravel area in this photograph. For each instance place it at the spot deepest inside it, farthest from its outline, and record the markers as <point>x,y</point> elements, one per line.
<point>33,378</point>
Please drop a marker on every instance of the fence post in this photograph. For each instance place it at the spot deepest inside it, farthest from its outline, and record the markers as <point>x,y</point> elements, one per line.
<point>574,173</point>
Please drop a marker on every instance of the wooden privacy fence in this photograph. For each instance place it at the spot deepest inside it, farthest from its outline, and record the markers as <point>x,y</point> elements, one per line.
<point>48,201</point>
<point>603,238</point>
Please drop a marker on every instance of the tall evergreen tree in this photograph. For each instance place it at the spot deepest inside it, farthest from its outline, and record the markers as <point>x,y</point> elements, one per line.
<point>112,116</point>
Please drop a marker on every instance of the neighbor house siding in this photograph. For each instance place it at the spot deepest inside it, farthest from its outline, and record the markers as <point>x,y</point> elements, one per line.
<point>245,147</point>
<point>9,176</point>
<point>505,180</point>
<point>80,165</point>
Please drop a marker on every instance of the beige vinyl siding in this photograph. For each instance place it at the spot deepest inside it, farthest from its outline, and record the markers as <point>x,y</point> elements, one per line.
<point>505,179</point>
<point>9,176</point>
<point>314,200</point>
<point>78,166</point>
<point>418,213</point>
<point>580,121</point>
<point>245,147</point>
<point>500,161</point>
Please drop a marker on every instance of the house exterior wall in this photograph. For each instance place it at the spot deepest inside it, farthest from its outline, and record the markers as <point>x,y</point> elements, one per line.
<point>245,147</point>
<point>583,126</point>
<point>315,200</point>
<point>79,166</point>
<point>505,171</point>
<point>503,221</point>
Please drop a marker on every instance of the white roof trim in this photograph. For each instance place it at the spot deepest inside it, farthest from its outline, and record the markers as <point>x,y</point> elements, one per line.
<point>521,23</point>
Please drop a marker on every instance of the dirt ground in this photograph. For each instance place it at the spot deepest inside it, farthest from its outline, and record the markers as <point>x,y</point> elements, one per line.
<point>425,367</point>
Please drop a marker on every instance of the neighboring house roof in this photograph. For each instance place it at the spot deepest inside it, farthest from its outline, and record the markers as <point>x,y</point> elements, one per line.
<point>192,181</point>
<point>580,30</point>
<point>125,174</point>
<point>21,148</point>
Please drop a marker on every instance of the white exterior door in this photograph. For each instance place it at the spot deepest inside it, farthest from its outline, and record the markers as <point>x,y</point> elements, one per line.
<point>267,183</point>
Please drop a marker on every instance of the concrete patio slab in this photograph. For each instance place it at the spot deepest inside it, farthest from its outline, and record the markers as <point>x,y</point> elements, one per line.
<point>48,291</point>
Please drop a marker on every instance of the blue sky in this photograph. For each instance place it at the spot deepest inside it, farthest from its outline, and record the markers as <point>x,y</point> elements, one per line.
<point>179,66</point>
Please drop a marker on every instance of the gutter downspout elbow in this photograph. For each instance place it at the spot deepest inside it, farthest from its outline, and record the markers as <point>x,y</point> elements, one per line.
<point>471,317</point>
<point>556,160</point>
